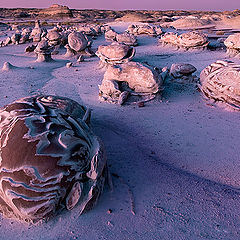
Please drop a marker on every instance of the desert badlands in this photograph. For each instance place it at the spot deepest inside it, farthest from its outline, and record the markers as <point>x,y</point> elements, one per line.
<point>123,125</point>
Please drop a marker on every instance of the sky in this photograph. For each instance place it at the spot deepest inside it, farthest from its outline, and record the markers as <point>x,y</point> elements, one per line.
<point>219,5</point>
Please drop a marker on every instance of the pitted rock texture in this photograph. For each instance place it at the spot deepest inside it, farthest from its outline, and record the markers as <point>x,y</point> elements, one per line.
<point>49,158</point>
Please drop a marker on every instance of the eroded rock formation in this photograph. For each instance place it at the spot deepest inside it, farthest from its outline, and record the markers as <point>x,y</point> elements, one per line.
<point>50,158</point>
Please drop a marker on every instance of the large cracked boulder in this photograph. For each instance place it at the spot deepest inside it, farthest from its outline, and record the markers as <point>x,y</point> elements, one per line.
<point>38,33</point>
<point>50,158</point>
<point>129,78</point>
<point>186,41</point>
<point>233,45</point>
<point>220,82</point>
<point>127,39</point>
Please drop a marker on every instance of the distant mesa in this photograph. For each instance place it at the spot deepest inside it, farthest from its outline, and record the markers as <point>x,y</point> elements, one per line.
<point>57,10</point>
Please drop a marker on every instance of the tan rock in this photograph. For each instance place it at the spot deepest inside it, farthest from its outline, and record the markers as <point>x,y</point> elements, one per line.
<point>220,82</point>
<point>188,40</point>
<point>78,41</point>
<point>127,39</point>
<point>138,78</point>
<point>110,35</point>
<point>115,53</point>
<point>233,45</point>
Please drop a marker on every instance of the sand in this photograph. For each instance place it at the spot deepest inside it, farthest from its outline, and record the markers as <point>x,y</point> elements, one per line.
<point>176,159</point>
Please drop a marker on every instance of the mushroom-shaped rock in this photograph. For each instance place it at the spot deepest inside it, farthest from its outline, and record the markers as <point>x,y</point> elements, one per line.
<point>78,41</point>
<point>50,158</point>
<point>127,39</point>
<point>25,35</point>
<point>169,38</point>
<point>115,53</point>
<point>233,45</point>
<point>15,38</point>
<point>179,70</point>
<point>220,82</point>
<point>139,78</point>
<point>54,37</point>
<point>37,32</point>
<point>43,51</point>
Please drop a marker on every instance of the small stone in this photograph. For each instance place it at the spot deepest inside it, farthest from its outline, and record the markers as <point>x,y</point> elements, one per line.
<point>80,59</point>
<point>141,104</point>
<point>109,224</point>
<point>109,211</point>
<point>70,64</point>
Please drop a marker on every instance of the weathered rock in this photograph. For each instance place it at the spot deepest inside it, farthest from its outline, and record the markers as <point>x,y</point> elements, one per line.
<point>24,38</point>
<point>193,40</point>
<point>7,41</point>
<point>86,29</point>
<point>110,35</point>
<point>179,70</point>
<point>70,52</point>
<point>220,82</point>
<point>30,48</point>
<point>38,33</point>
<point>54,37</point>
<point>138,78</point>
<point>80,59</point>
<point>115,53</point>
<point>78,41</point>
<point>188,40</point>
<point>15,38</point>
<point>43,51</point>
<point>50,158</point>
<point>233,45</point>
<point>69,64</point>
<point>7,66</point>
<point>142,29</point>
<point>127,39</point>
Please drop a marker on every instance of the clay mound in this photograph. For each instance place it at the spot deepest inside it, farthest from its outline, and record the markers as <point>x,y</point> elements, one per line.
<point>190,23</point>
<point>57,11</point>
<point>233,22</point>
<point>134,17</point>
